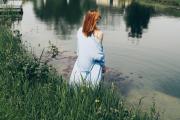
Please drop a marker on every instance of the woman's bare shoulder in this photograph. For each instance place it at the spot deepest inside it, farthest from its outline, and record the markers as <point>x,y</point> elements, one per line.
<point>99,35</point>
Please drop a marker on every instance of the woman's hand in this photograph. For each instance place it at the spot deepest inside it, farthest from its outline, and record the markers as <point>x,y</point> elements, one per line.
<point>104,69</point>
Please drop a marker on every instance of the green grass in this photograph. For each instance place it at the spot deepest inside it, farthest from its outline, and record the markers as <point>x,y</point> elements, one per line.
<point>32,90</point>
<point>170,7</point>
<point>162,3</point>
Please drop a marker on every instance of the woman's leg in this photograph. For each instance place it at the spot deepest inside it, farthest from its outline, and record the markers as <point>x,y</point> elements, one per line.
<point>95,75</point>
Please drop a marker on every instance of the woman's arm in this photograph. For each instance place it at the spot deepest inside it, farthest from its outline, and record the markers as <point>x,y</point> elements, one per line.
<point>98,53</point>
<point>99,36</point>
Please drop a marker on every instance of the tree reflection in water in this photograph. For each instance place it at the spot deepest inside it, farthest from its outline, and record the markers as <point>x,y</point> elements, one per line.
<point>65,15</point>
<point>62,14</point>
<point>137,18</point>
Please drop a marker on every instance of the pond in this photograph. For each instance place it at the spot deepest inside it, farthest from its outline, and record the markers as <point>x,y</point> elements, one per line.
<point>140,41</point>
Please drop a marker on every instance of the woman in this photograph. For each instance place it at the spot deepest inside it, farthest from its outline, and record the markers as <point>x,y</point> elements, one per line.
<point>90,63</point>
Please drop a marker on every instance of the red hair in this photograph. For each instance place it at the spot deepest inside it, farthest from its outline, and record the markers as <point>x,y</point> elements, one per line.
<point>89,25</point>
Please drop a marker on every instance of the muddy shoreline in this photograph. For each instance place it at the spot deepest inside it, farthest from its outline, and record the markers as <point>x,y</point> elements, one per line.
<point>64,62</point>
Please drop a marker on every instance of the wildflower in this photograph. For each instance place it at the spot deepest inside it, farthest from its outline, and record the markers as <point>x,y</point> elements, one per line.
<point>97,101</point>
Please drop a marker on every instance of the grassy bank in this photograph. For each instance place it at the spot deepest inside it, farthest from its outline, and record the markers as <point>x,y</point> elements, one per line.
<point>166,7</point>
<point>32,90</point>
<point>162,3</point>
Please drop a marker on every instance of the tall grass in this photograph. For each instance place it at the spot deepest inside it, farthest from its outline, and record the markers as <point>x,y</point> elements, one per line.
<point>32,90</point>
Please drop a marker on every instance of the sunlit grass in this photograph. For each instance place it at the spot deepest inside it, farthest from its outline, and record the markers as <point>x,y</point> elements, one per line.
<point>32,90</point>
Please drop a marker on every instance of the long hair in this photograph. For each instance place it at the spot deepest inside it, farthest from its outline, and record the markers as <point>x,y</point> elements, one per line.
<point>90,20</point>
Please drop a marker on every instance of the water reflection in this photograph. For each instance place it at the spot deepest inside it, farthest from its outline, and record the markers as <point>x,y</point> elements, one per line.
<point>137,18</point>
<point>65,15</point>
<point>62,14</point>
<point>114,3</point>
<point>48,10</point>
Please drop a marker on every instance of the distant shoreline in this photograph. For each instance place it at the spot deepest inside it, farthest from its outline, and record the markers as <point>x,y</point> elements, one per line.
<point>174,4</point>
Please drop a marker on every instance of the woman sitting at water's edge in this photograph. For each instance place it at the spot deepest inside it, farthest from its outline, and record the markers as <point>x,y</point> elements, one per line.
<point>90,63</point>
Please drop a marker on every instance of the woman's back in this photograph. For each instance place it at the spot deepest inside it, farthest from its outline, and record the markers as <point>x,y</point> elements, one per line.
<point>87,50</point>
